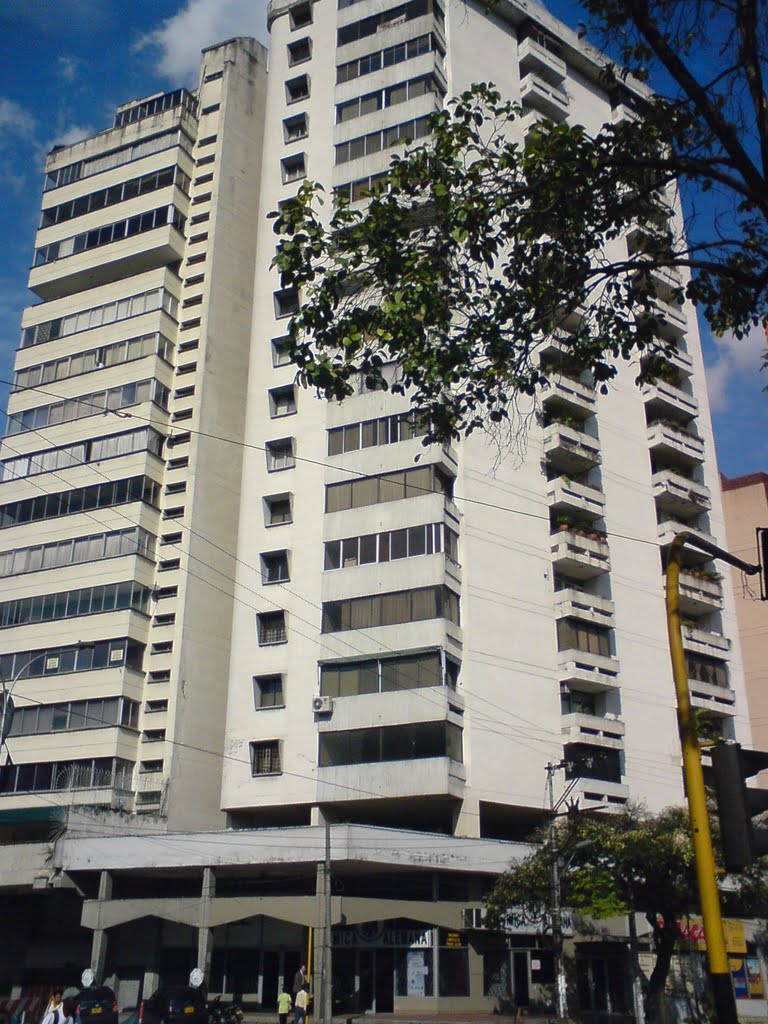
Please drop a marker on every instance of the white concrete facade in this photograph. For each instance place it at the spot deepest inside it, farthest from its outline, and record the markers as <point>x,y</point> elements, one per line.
<point>167,304</point>
<point>327,622</point>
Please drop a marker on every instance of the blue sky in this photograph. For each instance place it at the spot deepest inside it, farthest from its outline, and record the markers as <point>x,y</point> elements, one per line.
<point>66,64</point>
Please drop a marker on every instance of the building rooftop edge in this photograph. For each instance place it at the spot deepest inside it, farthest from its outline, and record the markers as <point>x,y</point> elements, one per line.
<point>735,483</point>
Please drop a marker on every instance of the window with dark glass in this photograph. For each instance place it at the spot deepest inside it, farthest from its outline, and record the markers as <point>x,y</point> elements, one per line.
<point>381,675</point>
<point>277,509</point>
<point>406,742</point>
<point>573,634</point>
<point>274,567</point>
<point>390,609</point>
<point>268,691</point>
<point>271,628</point>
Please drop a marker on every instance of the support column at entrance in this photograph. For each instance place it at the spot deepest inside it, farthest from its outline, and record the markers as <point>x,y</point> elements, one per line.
<point>99,941</point>
<point>204,930</point>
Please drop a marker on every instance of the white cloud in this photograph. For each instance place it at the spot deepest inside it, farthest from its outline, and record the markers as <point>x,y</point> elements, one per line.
<point>201,23</point>
<point>14,118</point>
<point>69,68</point>
<point>736,367</point>
<point>70,134</point>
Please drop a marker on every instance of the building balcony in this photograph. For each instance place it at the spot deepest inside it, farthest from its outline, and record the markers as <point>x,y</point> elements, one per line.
<point>550,100</point>
<point>537,58</point>
<point>570,450</point>
<point>593,673</point>
<point>423,777</point>
<point>699,595</point>
<point>675,443</point>
<point>672,315</point>
<point>597,730</point>
<point>593,794</point>
<point>579,557</point>
<point>566,495</point>
<point>704,641</point>
<point>678,495</point>
<point>105,264</point>
<point>663,399</point>
<point>578,604</point>
<point>669,528</point>
<point>573,395</point>
<point>623,114</point>
<point>680,358</point>
<point>712,697</point>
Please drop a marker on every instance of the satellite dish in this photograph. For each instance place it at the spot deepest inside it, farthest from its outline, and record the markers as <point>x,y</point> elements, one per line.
<point>86,978</point>
<point>196,977</point>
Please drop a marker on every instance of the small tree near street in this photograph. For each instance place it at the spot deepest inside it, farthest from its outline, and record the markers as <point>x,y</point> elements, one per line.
<point>630,862</point>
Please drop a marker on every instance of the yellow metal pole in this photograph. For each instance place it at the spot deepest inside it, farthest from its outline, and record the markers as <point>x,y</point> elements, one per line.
<point>311,1007</point>
<point>717,957</point>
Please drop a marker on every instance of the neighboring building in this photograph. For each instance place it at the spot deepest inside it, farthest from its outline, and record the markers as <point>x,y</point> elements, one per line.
<point>745,503</point>
<point>402,638</point>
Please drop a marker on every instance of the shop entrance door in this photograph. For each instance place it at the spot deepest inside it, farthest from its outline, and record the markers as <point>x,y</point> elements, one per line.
<point>520,975</point>
<point>270,979</point>
<point>385,981</point>
<point>366,967</point>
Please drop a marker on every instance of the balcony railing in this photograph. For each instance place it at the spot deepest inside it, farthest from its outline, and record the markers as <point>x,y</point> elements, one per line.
<point>578,556</point>
<point>578,604</point>
<point>678,495</point>
<point>675,442</point>
<point>588,672</point>
<point>570,449</point>
<point>568,495</point>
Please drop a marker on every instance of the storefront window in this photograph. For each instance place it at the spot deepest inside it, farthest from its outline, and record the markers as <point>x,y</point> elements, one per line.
<point>453,964</point>
<point>497,980</point>
<point>414,972</point>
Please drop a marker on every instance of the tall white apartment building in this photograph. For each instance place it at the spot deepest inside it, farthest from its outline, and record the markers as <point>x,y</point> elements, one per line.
<point>320,630</point>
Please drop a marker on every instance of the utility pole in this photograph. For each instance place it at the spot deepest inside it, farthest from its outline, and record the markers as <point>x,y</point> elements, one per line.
<point>555,908</point>
<point>717,956</point>
<point>326,1010</point>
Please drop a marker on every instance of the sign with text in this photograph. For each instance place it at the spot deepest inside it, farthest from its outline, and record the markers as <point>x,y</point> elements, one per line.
<point>380,935</point>
<point>690,931</point>
<point>520,920</point>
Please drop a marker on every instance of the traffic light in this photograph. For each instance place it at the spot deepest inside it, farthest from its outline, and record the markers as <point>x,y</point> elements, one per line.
<point>762,558</point>
<point>736,803</point>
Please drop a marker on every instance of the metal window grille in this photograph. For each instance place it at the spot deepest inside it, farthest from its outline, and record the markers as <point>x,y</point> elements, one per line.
<point>265,757</point>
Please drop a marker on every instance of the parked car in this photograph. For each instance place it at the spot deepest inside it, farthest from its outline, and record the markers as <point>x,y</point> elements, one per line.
<point>97,1005</point>
<point>174,1004</point>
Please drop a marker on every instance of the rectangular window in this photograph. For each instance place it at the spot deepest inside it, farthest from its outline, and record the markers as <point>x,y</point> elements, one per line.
<point>280,454</point>
<point>281,352</point>
<point>297,89</point>
<point>112,312</point>
<point>300,16</point>
<point>268,692</point>
<point>274,567</point>
<point>287,302</point>
<point>282,401</point>
<point>572,634</point>
<point>387,743</point>
<point>293,168</point>
<point>295,128</point>
<point>271,628</point>
<point>373,490</point>
<point>384,675</point>
<point>265,757</point>
<point>299,51</point>
<point>390,609</point>
<point>277,510</point>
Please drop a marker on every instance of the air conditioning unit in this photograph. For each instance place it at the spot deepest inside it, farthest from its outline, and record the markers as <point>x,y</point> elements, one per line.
<point>322,705</point>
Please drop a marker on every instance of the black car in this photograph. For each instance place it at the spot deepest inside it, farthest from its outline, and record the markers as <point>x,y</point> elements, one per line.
<point>97,1005</point>
<point>175,1004</point>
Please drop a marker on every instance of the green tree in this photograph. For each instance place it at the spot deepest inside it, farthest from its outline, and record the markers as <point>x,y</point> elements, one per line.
<point>481,244</point>
<point>630,862</point>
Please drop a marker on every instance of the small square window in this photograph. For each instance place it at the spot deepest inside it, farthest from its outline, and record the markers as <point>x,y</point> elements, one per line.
<point>297,89</point>
<point>277,510</point>
<point>300,15</point>
<point>295,128</point>
<point>299,51</point>
<point>280,454</point>
<point>287,302</point>
<point>271,628</point>
<point>281,352</point>
<point>282,401</point>
<point>265,757</point>
<point>274,567</point>
<point>268,692</point>
<point>293,168</point>
<point>150,767</point>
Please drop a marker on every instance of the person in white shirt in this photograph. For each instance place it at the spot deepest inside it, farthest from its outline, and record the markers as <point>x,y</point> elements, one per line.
<point>55,1012</point>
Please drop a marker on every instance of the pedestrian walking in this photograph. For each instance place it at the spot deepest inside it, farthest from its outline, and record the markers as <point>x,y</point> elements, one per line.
<point>300,1003</point>
<point>55,1013</point>
<point>299,979</point>
<point>283,1006</point>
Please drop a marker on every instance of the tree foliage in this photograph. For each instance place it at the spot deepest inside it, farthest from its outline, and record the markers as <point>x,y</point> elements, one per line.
<point>482,243</point>
<point>630,862</point>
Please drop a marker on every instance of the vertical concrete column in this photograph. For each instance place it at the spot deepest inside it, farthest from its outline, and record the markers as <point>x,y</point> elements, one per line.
<point>204,930</point>
<point>99,942</point>
<point>151,981</point>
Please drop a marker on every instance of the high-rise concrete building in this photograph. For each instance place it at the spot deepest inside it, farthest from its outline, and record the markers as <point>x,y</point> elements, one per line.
<point>745,503</point>
<point>324,632</point>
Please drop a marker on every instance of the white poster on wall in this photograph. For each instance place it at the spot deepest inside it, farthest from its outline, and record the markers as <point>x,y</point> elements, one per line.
<point>417,972</point>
